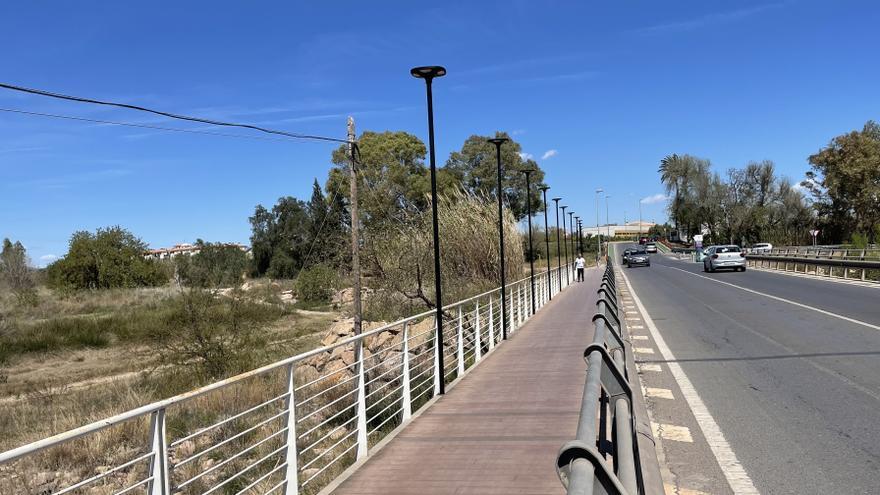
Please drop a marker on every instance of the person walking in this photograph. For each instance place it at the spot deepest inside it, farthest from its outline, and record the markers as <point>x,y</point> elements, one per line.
<point>579,264</point>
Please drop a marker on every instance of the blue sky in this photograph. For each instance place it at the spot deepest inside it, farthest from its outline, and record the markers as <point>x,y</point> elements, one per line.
<point>609,87</point>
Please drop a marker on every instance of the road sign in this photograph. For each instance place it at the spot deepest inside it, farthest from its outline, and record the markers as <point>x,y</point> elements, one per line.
<point>814,233</point>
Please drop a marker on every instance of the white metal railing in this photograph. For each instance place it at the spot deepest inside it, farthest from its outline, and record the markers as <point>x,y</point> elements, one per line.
<point>288,427</point>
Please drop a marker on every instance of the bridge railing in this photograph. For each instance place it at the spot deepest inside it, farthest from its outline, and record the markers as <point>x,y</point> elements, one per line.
<point>613,452</point>
<point>857,264</point>
<point>288,427</point>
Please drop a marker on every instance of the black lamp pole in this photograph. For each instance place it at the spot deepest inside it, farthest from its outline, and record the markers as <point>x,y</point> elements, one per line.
<point>528,172</point>
<point>547,242</point>
<point>571,229</point>
<point>565,242</point>
<point>577,228</point>
<point>428,74</point>
<point>498,142</point>
<point>558,254</point>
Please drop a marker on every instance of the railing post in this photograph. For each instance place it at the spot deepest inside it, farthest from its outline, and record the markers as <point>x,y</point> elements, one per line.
<point>512,312</point>
<point>460,343</point>
<point>478,341</point>
<point>491,326</point>
<point>407,392</point>
<point>160,484</point>
<point>438,373</point>
<point>291,477</point>
<point>361,404</point>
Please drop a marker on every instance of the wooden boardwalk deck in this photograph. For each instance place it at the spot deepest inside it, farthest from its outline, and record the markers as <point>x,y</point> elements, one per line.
<point>498,430</point>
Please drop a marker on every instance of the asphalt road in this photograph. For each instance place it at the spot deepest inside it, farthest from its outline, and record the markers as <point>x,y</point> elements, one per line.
<point>795,391</point>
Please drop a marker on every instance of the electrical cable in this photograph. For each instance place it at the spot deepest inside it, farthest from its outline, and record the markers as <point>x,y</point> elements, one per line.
<point>144,126</point>
<point>80,99</point>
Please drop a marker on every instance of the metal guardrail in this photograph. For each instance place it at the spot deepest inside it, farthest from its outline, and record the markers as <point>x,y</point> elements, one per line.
<point>289,427</point>
<point>824,263</point>
<point>608,426</point>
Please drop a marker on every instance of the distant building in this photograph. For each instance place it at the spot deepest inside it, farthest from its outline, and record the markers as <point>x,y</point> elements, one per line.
<point>187,249</point>
<point>629,228</point>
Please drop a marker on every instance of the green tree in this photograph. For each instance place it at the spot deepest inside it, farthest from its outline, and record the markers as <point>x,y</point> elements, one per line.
<point>15,272</point>
<point>844,182</point>
<point>280,238</point>
<point>215,265</point>
<point>475,168</point>
<point>112,257</point>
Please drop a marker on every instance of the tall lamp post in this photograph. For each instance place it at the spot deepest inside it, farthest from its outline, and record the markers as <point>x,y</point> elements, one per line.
<point>498,142</point>
<point>428,74</point>
<point>607,221</point>
<point>577,225</point>
<point>565,241</point>
<point>547,243</point>
<point>528,173</point>
<point>598,235</point>
<point>558,254</point>
<point>571,229</point>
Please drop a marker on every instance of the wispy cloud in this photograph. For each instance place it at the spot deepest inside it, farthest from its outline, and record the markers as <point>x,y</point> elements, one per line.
<point>65,181</point>
<point>526,156</point>
<point>707,20</point>
<point>47,258</point>
<point>656,198</point>
<point>517,132</point>
<point>549,154</point>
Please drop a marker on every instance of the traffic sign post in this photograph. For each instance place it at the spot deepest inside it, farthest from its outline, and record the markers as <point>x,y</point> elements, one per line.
<point>814,233</point>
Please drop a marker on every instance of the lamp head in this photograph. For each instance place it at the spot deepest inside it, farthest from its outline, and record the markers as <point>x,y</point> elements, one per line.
<point>556,199</point>
<point>428,72</point>
<point>544,188</point>
<point>527,171</point>
<point>498,141</point>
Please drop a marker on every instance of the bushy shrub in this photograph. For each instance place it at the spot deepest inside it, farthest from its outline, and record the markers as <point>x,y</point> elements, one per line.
<point>316,284</point>
<point>215,265</point>
<point>110,258</point>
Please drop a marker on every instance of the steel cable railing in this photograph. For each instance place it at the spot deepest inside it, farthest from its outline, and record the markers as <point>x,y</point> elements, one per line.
<point>288,427</point>
<point>604,457</point>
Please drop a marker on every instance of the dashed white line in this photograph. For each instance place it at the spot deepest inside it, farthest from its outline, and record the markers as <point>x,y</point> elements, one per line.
<point>649,367</point>
<point>659,393</point>
<point>672,432</point>
<point>639,337</point>
<point>734,472</point>
<point>643,350</point>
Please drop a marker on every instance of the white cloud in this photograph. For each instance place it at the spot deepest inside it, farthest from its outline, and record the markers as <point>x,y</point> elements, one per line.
<point>526,156</point>
<point>707,20</point>
<point>656,198</point>
<point>517,132</point>
<point>47,259</point>
<point>549,154</point>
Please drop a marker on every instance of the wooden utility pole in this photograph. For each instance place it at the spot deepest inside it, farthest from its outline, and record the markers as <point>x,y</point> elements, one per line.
<point>355,229</point>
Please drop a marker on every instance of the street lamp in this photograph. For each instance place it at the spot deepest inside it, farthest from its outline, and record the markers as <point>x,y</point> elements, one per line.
<point>607,221</point>
<point>577,243</point>
<point>428,74</point>
<point>558,254</point>
<point>598,235</point>
<point>565,238</point>
<point>571,229</point>
<point>528,172</point>
<point>547,242</point>
<point>498,142</point>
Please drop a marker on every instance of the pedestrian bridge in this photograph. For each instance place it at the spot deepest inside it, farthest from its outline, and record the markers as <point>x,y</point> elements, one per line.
<point>363,415</point>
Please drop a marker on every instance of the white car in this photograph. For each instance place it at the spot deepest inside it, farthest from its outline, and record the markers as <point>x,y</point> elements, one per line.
<point>762,247</point>
<point>651,247</point>
<point>728,256</point>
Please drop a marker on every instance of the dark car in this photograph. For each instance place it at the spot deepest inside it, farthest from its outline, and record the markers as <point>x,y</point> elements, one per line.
<point>626,253</point>
<point>638,258</point>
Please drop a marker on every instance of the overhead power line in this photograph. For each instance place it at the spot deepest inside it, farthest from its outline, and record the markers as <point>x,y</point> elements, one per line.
<point>80,99</point>
<point>143,126</point>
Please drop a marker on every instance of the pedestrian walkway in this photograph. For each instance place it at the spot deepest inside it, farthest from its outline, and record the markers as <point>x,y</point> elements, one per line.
<point>499,429</point>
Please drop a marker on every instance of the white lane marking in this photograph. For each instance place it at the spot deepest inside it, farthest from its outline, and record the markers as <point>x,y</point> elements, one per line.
<point>640,337</point>
<point>672,432</point>
<point>677,490</point>
<point>825,278</point>
<point>649,367</point>
<point>637,327</point>
<point>734,472</point>
<point>643,350</point>
<point>659,393</point>
<point>782,299</point>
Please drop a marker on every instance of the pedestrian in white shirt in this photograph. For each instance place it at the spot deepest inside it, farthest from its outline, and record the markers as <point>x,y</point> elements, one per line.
<point>579,264</point>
